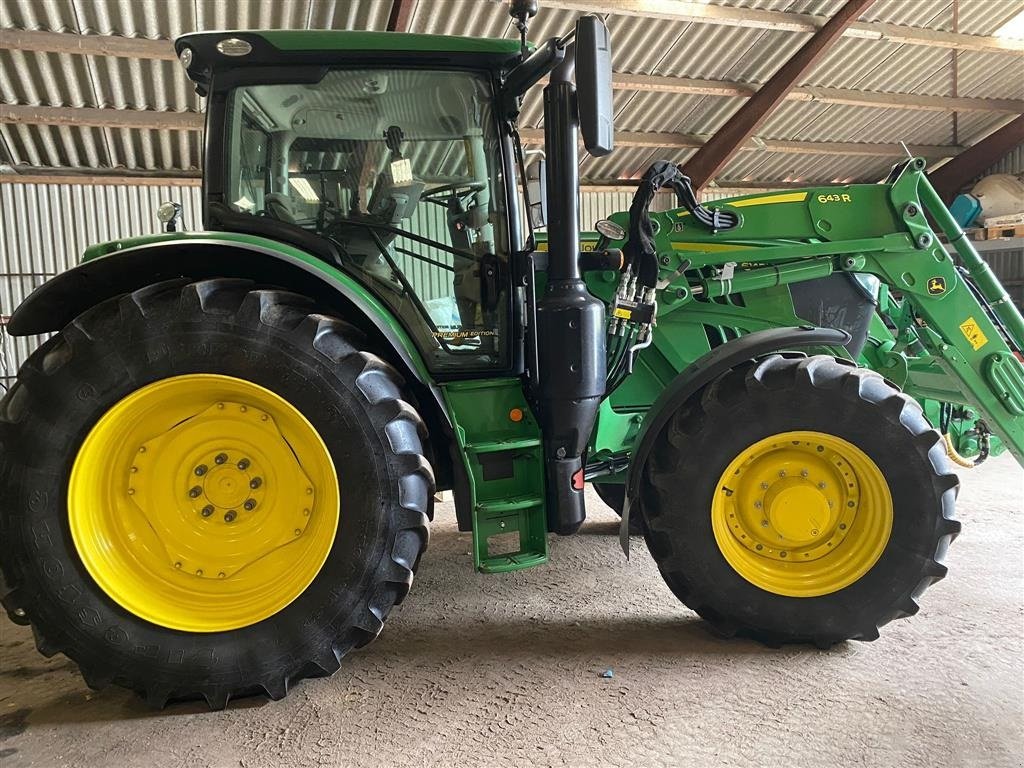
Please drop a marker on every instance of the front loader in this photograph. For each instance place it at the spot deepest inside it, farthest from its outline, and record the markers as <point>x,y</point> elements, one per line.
<point>217,475</point>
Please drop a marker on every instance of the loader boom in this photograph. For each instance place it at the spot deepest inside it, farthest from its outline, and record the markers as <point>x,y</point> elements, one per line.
<point>953,329</point>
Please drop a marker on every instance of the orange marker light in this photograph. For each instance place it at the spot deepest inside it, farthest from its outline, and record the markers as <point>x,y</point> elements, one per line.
<point>516,415</point>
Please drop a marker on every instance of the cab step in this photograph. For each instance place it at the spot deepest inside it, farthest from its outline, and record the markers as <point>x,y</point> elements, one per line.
<point>503,454</point>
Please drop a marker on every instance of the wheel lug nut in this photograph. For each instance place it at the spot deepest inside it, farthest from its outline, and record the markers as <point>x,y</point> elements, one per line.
<point>220,458</point>
<point>764,486</point>
<point>821,485</point>
<point>250,504</point>
<point>256,482</point>
<point>804,473</point>
<point>230,515</point>
<point>764,523</point>
<point>758,505</point>
<point>243,464</point>
<point>201,470</point>
<point>194,492</point>
<point>782,473</point>
<point>207,510</point>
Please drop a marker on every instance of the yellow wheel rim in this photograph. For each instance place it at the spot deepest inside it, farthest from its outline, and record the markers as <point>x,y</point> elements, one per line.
<point>802,514</point>
<point>203,503</point>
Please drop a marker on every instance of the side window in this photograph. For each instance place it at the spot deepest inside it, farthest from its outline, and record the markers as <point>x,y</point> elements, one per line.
<point>254,168</point>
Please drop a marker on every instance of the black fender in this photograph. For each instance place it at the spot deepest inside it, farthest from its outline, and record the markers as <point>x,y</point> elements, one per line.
<point>57,302</point>
<point>702,372</point>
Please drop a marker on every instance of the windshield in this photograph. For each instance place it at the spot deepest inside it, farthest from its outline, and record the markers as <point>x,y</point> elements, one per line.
<point>401,171</point>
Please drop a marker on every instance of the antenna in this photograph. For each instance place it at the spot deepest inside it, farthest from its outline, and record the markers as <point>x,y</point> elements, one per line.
<point>522,11</point>
<point>904,145</point>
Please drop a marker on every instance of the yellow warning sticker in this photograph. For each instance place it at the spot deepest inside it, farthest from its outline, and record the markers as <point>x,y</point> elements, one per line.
<point>622,312</point>
<point>972,332</point>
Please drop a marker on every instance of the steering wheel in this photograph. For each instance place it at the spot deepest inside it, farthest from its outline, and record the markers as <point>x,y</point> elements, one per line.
<point>467,188</point>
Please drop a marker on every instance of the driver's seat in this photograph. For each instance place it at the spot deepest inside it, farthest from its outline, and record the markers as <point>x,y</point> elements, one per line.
<point>279,206</point>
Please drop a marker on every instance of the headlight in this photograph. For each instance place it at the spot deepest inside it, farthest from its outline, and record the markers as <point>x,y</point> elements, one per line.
<point>168,213</point>
<point>186,57</point>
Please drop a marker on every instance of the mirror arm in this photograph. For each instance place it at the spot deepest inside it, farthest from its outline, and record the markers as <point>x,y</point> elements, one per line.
<point>529,72</point>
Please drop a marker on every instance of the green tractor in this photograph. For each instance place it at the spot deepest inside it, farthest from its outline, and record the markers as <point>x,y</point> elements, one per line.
<point>218,474</point>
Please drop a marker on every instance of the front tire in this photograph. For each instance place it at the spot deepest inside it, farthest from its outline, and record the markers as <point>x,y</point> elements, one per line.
<point>799,500</point>
<point>301,423</point>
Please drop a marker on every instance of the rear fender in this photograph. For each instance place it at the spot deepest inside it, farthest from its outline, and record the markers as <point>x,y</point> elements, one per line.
<point>60,300</point>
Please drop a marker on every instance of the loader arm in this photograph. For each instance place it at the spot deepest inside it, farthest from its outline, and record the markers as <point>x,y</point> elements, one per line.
<point>954,331</point>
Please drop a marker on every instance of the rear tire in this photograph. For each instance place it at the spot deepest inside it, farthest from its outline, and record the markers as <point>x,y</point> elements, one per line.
<point>734,587</point>
<point>320,366</point>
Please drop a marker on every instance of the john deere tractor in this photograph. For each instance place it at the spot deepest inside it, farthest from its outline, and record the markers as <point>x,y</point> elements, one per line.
<point>217,475</point>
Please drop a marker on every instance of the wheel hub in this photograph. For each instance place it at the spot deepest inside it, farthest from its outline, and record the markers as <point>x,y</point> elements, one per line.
<point>786,506</point>
<point>797,511</point>
<point>223,487</point>
<point>203,502</point>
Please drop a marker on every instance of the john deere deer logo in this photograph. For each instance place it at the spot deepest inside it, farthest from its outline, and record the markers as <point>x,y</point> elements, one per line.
<point>936,286</point>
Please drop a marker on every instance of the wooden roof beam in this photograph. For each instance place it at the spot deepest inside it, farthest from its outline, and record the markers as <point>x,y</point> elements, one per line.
<point>721,147</point>
<point>948,179</point>
<point>88,117</point>
<point>701,13</point>
<point>848,96</point>
<point>162,50</point>
<point>534,137</point>
<point>401,16</point>
<point>87,45</point>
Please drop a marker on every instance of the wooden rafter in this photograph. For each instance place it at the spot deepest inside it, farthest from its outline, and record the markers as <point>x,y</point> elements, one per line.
<point>87,45</point>
<point>162,50</point>
<point>702,13</point>
<point>401,16</point>
<point>626,139</point>
<point>847,96</point>
<point>976,159</point>
<point>87,117</point>
<point>726,142</point>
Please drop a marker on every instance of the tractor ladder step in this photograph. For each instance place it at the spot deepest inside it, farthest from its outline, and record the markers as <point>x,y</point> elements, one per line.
<point>504,458</point>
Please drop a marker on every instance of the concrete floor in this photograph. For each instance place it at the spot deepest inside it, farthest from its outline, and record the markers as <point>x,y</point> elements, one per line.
<point>506,670</point>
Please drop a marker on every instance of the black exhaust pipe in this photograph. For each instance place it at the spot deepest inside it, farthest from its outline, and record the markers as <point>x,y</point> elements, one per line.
<point>570,322</point>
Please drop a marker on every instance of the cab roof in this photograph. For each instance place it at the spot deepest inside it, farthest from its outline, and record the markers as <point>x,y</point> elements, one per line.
<point>283,48</point>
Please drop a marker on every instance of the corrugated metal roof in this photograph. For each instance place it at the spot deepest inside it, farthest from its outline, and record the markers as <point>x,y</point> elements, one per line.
<point>643,46</point>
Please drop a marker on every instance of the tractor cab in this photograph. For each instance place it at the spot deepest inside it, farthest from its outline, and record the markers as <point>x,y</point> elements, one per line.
<point>386,158</point>
<point>391,157</point>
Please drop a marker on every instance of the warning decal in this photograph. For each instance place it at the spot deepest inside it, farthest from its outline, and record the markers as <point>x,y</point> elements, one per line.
<point>973,333</point>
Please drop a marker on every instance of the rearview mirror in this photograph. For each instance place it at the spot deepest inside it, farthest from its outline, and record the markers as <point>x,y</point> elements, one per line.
<point>537,188</point>
<point>594,85</point>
